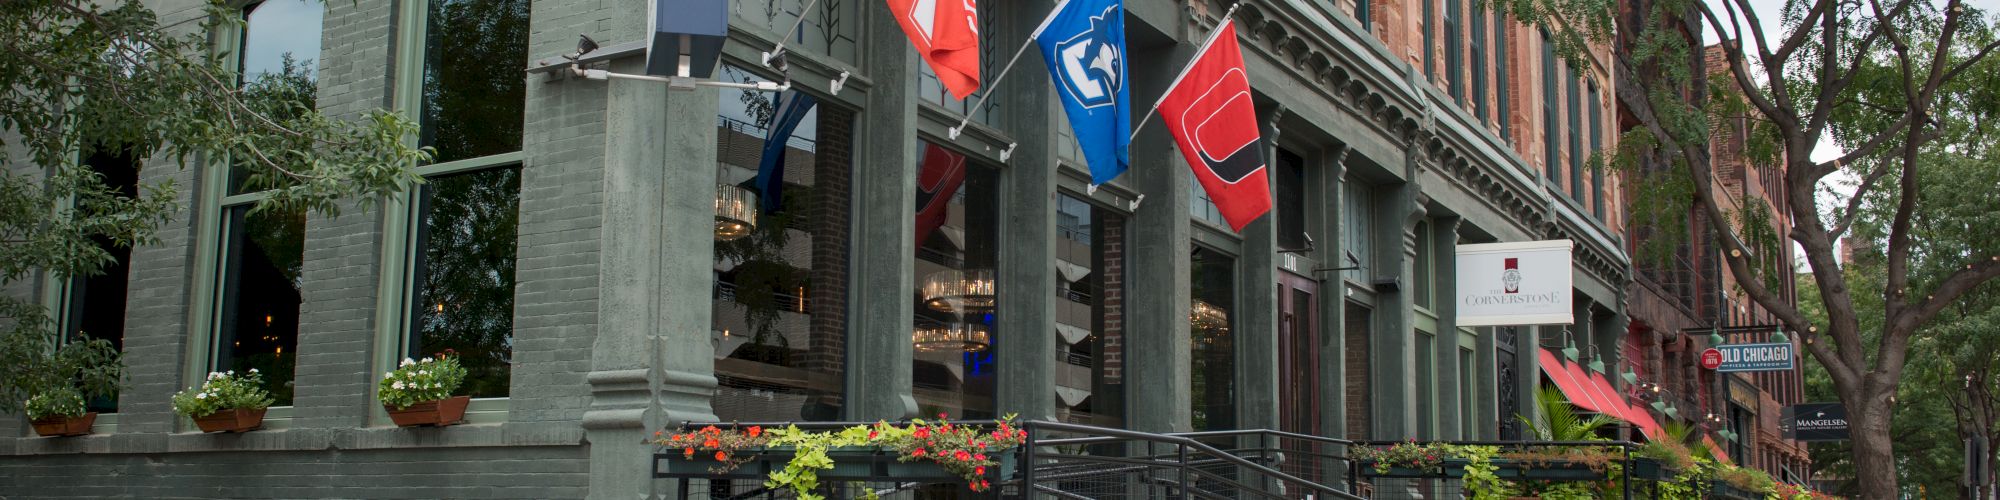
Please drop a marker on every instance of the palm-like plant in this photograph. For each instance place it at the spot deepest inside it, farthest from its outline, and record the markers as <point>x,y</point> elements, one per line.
<point>1558,420</point>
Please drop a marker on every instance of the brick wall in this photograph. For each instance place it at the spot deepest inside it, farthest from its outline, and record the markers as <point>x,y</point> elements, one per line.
<point>1113,244</point>
<point>833,195</point>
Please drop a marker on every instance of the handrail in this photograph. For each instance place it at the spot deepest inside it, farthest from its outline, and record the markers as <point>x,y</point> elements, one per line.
<point>1185,442</point>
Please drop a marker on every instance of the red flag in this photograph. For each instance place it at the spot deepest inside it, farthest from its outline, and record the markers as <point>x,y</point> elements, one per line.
<point>938,180</point>
<point>1208,110</point>
<point>946,33</point>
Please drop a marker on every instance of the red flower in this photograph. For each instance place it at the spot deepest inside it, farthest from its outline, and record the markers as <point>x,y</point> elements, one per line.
<point>711,443</point>
<point>941,416</point>
<point>656,434</point>
<point>872,434</point>
<point>756,430</point>
<point>979,456</point>
<point>721,456</point>
<point>982,446</point>
<point>980,470</point>
<point>921,433</point>
<point>688,453</point>
<point>710,430</point>
<point>918,453</point>
<point>962,455</point>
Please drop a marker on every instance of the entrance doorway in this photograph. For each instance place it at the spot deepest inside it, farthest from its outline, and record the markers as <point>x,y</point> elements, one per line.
<point>1299,373</point>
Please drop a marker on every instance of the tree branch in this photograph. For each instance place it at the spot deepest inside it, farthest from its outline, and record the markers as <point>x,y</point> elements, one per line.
<point>1846,218</point>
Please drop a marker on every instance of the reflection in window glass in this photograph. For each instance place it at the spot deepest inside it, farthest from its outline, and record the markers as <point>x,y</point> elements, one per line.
<point>780,299</point>
<point>277,30</point>
<point>260,295</point>
<point>1468,423</point>
<point>473,93</point>
<point>957,216</point>
<point>95,305</point>
<point>1213,283</point>
<point>464,272</point>
<point>279,44</point>
<point>1090,315</point>
<point>1426,384</point>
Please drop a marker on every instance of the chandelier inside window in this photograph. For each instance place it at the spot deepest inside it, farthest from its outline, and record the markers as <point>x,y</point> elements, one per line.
<point>953,337</point>
<point>735,212</point>
<point>969,291</point>
<point>1205,316</point>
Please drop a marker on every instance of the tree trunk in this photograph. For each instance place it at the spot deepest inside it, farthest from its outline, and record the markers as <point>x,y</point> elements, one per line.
<point>1868,417</point>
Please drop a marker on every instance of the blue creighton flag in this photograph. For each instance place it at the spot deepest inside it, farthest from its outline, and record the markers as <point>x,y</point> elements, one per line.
<point>1083,43</point>
<point>792,108</point>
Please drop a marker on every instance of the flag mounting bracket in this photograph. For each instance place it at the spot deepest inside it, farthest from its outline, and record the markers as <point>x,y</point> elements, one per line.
<point>680,82</point>
<point>839,82</point>
<point>1134,206</point>
<point>1009,152</point>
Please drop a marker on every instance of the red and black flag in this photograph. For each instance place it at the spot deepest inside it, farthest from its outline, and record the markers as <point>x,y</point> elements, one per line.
<point>1209,112</point>
<point>938,180</point>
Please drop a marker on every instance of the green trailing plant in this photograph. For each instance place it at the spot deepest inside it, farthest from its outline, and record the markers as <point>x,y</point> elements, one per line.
<point>1482,480</point>
<point>40,363</point>
<point>223,391</point>
<point>417,381</point>
<point>964,450</point>
<point>61,402</point>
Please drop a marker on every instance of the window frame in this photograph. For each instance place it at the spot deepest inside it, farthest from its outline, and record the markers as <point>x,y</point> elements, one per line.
<point>215,201</point>
<point>400,222</point>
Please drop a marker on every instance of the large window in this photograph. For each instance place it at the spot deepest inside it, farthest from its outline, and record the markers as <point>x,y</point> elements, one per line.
<point>1212,330</point>
<point>1597,192</point>
<point>1357,230</point>
<point>465,217</point>
<point>1090,312</point>
<point>1504,94</point>
<point>1551,125</point>
<point>1468,423</point>
<point>1427,393</point>
<point>1422,285</point>
<point>1454,43</point>
<point>1478,24</point>
<point>261,251</point>
<point>780,304</point>
<point>1575,138</point>
<point>1290,176</point>
<point>1430,39</point>
<point>93,306</point>
<point>956,227</point>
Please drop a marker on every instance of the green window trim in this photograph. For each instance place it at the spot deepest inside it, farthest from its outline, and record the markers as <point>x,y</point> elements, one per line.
<point>395,291</point>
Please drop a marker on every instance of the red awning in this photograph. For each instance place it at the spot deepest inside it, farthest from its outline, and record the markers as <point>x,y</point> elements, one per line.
<point>1611,396</point>
<point>1647,426</point>
<point>1571,383</point>
<point>1719,454</point>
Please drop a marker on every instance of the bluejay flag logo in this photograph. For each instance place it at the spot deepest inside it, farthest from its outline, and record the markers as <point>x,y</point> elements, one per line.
<point>1083,43</point>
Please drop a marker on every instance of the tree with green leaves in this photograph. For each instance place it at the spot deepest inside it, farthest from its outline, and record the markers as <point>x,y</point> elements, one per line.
<point>79,78</point>
<point>1887,80</point>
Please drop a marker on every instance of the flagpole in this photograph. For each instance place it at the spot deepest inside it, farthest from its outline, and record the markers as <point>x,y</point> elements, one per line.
<point>954,131</point>
<point>1226,19</point>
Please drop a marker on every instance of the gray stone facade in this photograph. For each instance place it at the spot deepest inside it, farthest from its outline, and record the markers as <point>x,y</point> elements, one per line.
<point>612,300</point>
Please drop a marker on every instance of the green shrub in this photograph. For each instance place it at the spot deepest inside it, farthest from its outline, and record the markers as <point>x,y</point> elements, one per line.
<point>58,402</point>
<point>417,381</point>
<point>223,391</point>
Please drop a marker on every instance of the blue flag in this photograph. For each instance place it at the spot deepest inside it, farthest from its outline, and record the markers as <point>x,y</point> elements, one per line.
<point>792,108</point>
<point>1083,43</point>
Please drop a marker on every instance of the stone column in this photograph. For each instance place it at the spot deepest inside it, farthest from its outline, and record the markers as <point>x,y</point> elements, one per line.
<point>1257,307</point>
<point>1444,252</point>
<point>1026,341</point>
<point>652,361</point>
<point>1332,253</point>
<point>1393,364</point>
<point>1486,397</point>
<point>1157,344</point>
<point>885,194</point>
<point>1527,377</point>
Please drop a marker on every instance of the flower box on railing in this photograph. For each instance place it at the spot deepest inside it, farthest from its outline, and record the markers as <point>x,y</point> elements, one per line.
<point>864,463</point>
<point>1449,468</point>
<point>1649,469</point>
<point>1546,470</point>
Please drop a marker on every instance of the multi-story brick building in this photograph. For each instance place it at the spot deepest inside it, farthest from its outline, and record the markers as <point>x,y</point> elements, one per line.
<point>1679,298</point>
<point>566,241</point>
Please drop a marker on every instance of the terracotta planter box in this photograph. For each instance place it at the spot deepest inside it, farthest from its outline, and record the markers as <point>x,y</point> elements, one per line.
<point>437,413</point>
<point>65,426</point>
<point>231,420</point>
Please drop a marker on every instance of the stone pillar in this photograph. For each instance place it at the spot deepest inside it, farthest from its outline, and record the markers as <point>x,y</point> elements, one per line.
<point>1580,329</point>
<point>1257,307</point>
<point>1486,397</point>
<point>1393,362</point>
<point>878,368</point>
<point>1157,358</point>
<point>1527,376</point>
<point>1444,252</point>
<point>1332,253</point>
<point>652,361</point>
<point>1026,341</point>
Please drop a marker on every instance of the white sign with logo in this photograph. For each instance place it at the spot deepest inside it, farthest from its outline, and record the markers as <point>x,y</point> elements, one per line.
<point>1525,283</point>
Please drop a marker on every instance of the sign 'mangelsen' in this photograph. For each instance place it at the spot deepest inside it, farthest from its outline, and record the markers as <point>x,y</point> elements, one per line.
<point>1525,283</point>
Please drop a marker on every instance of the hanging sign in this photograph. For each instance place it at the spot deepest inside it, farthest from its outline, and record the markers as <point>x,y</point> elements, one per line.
<point>1816,422</point>
<point>1755,357</point>
<point>1711,359</point>
<point>1524,283</point>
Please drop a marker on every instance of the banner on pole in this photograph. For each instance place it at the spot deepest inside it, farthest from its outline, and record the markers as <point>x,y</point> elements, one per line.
<point>1083,44</point>
<point>1523,283</point>
<point>1209,111</point>
<point>946,34</point>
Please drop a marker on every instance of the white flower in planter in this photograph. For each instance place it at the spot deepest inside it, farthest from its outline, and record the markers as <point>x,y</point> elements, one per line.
<point>427,360</point>
<point>203,395</point>
<point>398,385</point>
<point>408,362</point>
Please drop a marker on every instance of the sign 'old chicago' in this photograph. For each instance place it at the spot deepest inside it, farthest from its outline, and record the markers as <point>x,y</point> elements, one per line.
<point>1755,357</point>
